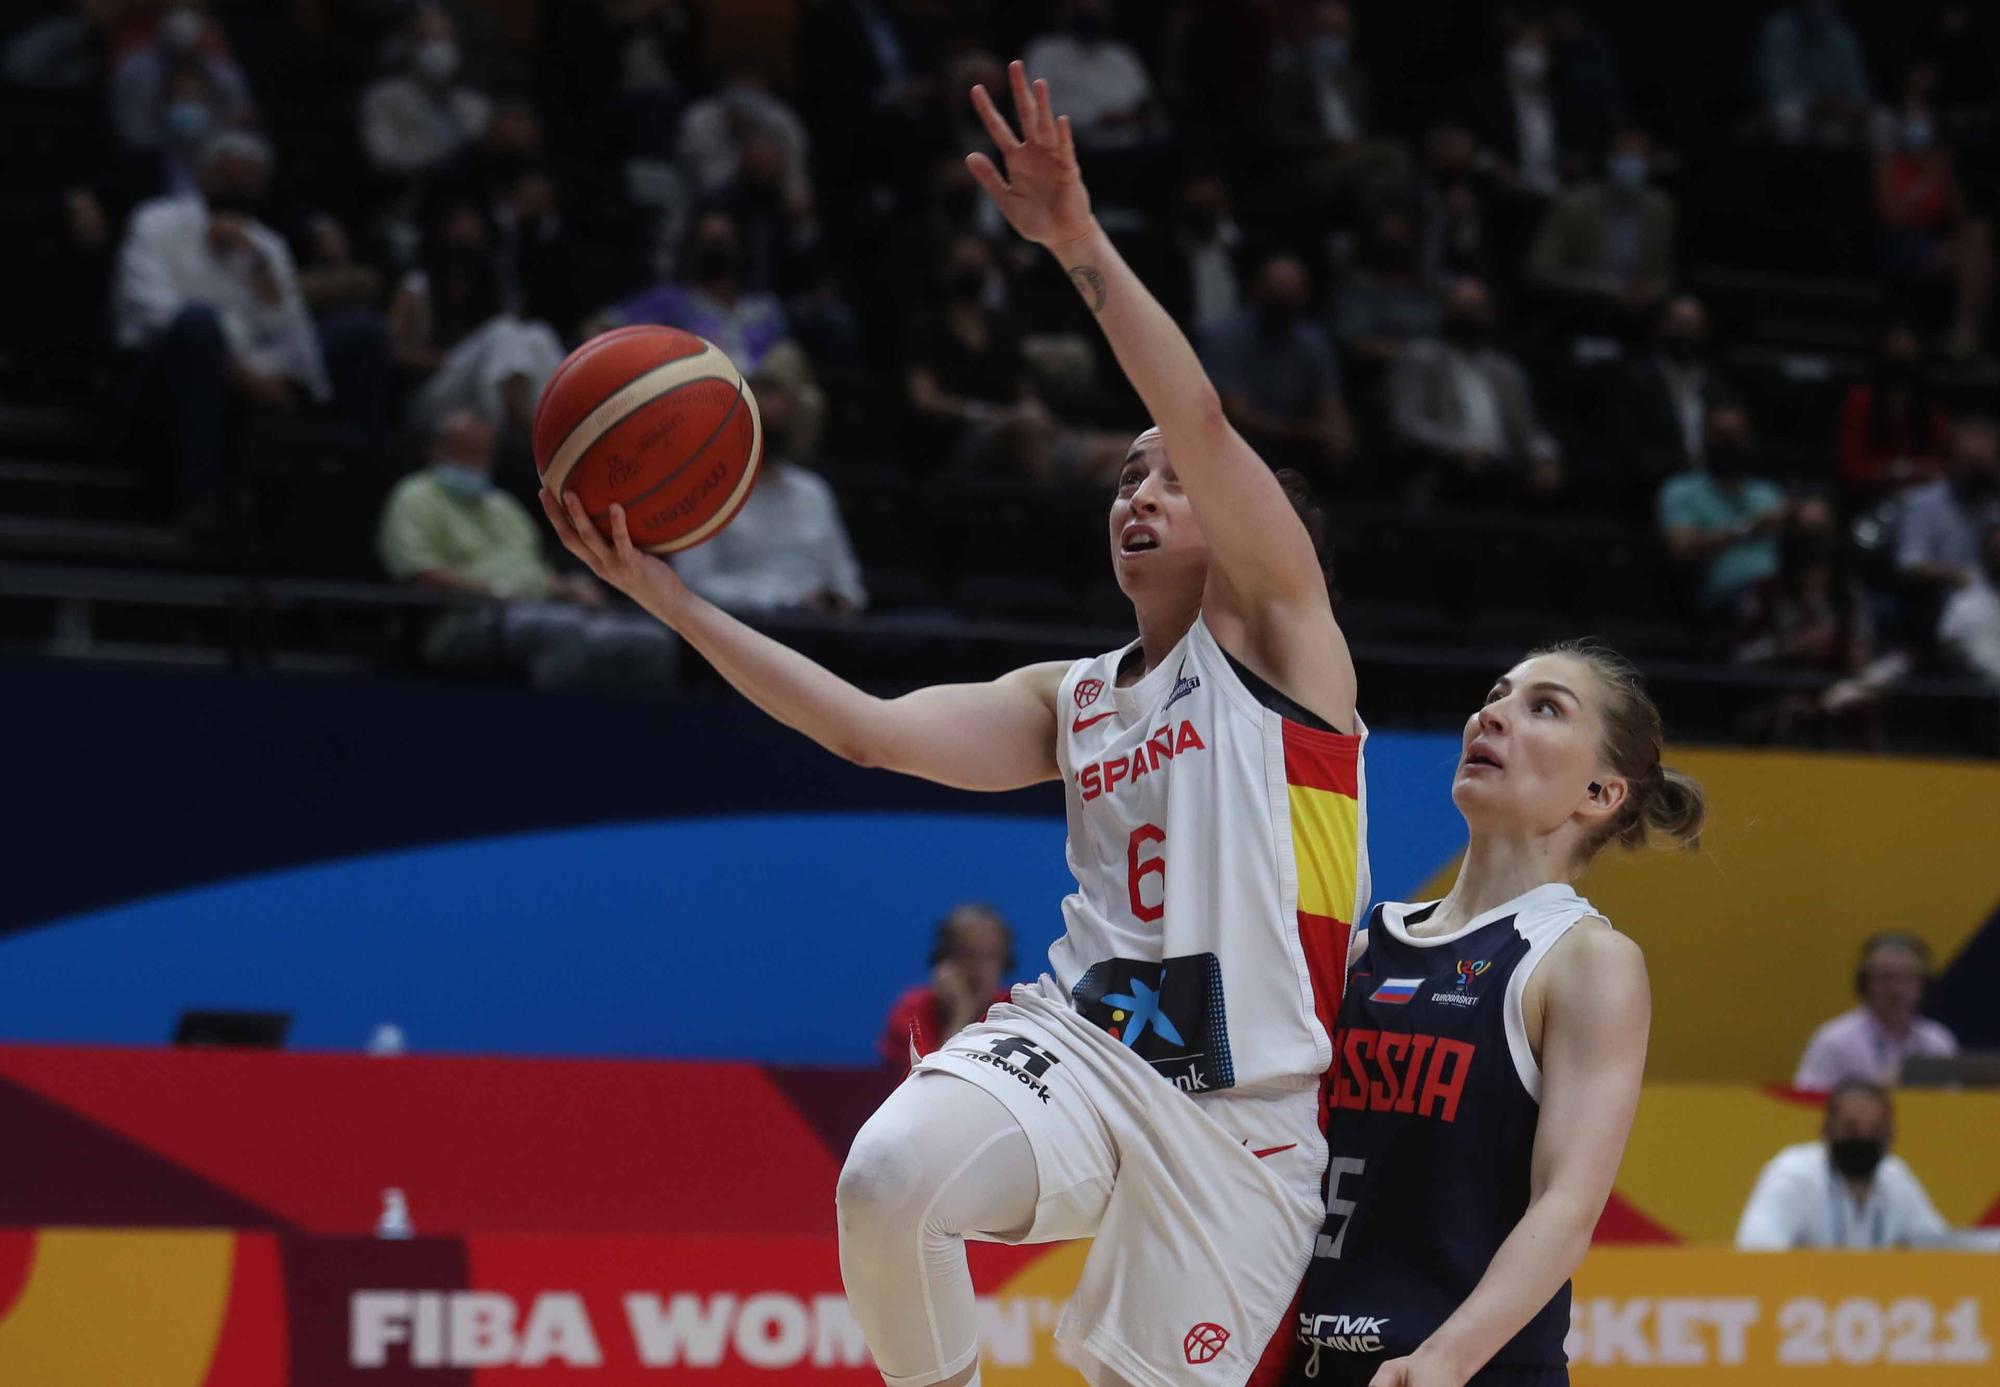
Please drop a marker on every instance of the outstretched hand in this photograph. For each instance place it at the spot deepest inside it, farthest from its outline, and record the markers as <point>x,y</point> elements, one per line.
<point>644,578</point>
<point>1042,194</point>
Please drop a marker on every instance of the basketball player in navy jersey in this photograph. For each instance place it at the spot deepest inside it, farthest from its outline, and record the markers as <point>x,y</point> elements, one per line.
<point>1158,1088</point>
<point>1489,1053</point>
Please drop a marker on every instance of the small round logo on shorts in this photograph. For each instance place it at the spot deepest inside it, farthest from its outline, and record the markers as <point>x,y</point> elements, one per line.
<point>1204,1341</point>
<point>1087,691</point>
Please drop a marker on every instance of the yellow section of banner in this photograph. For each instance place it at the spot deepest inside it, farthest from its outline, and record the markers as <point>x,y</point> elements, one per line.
<point>118,1307</point>
<point>1696,1150</point>
<point>1795,1319</point>
<point>1751,943</point>
<point>1695,1315</point>
<point>1018,1335</point>
<point>1661,1315</point>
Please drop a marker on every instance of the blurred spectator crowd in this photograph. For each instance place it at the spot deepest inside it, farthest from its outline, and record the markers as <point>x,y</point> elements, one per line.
<point>1439,262</point>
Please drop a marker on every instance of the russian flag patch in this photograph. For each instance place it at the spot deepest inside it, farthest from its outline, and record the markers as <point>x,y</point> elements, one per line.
<point>1397,990</point>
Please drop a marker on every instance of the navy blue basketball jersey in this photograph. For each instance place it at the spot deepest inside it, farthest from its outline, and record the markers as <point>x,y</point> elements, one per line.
<point>1432,1104</point>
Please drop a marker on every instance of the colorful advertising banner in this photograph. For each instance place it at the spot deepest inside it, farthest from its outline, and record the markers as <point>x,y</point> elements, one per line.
<point>1708,1315</point>
<point>82,1308</point>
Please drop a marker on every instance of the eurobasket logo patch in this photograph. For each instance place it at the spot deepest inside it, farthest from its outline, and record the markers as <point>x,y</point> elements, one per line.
<point>1396,990</point>
<point>1468,969</point>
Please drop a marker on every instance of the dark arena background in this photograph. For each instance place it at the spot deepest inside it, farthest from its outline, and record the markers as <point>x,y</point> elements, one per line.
<point>416,966</point>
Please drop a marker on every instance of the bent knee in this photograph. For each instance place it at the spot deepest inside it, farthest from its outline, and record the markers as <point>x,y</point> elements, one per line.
<point>877,1182</point>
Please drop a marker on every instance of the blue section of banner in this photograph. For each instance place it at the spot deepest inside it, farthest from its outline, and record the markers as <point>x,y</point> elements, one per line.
<point>773,937</point>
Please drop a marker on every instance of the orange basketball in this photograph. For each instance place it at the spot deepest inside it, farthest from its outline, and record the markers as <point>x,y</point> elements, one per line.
<point>658,420</point>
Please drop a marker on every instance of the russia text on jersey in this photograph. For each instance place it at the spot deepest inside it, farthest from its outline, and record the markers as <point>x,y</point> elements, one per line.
<point>1103,777</point>
<point>1395,1071</point>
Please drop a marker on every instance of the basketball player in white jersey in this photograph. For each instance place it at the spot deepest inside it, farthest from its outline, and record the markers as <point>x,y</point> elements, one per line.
<point>1491,1046</point>
<point>1158,1088</point>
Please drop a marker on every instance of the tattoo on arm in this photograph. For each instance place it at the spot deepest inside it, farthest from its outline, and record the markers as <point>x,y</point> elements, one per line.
<point>1090,284</point>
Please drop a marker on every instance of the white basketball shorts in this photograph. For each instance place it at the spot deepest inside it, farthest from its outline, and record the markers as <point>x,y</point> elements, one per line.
<point>1203,1207</point>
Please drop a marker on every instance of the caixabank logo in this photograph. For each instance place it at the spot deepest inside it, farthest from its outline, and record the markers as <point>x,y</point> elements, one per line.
<point>1170,1012</point>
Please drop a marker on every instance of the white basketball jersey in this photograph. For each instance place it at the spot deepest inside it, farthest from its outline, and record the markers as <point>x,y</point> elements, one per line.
<point>1219,850</point>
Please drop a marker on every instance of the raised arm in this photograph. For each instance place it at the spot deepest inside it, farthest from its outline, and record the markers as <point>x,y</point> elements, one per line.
<point>1012,719</point>
<point>1596,1010</point>
<point>1263,570</point>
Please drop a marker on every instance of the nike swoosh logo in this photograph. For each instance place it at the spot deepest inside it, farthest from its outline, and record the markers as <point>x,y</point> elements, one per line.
<point>1083,722</point>
<point>1272,1150</point>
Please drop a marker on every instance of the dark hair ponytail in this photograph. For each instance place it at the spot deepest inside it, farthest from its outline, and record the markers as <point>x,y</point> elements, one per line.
<point>1676,810</point>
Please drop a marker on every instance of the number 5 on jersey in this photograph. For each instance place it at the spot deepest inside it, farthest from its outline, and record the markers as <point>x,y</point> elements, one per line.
<point>1329,1241</point>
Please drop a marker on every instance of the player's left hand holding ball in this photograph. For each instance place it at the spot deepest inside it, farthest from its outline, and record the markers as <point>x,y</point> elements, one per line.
<point>646,579</point>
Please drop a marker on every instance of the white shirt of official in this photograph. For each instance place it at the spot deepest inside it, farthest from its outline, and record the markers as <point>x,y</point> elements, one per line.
<point>785,546</point>
<point>1093,82</point>
<point>1970,629</point>
<point>1480,424</point>
<point>166,264</point>
<point>1685,389</point>
<point>1336,116</point>
<point>1535,134</point>
<point>407,126</point>
<point>1212,272</point>
<point>1801,1202</point>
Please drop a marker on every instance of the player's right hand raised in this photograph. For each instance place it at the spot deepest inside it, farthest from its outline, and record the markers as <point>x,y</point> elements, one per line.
<point>1042,195</point>
<point>645,578</point>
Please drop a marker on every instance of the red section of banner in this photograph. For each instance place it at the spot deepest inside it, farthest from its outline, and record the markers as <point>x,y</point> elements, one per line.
<point>1622,1223</point>
<point>732,1308</point>
<point>364,1311</point>
<point>515,1145</point>
<point>1804,1097</point>
<point>252,1348</point>
<point>17,1257</point>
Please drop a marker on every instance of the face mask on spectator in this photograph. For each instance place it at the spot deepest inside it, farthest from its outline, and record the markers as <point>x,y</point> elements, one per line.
<point>1975,484</point>
<point>1327,50</point>
<point>1276,316</point>
<point>1918,132</point>
<point>964,284</point>
<point>959,203</point>
<point>714,260</point>
<point>1728,459</point>
<point>462,482</point>
<point>1527,63</point>
<point>188,122</point>
<point>232,202</point>
<point>463,256</point>
<point>1806,548</point>
<point>1628,171</point>
<point>1199,221</point>
<point>180,30</point>
<point>1856,1157</point>
<point>1467,331</point>
<point>1682,347</point>
<point>509,166</point>
<point>1897,369</point>
<point>437,61</point>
